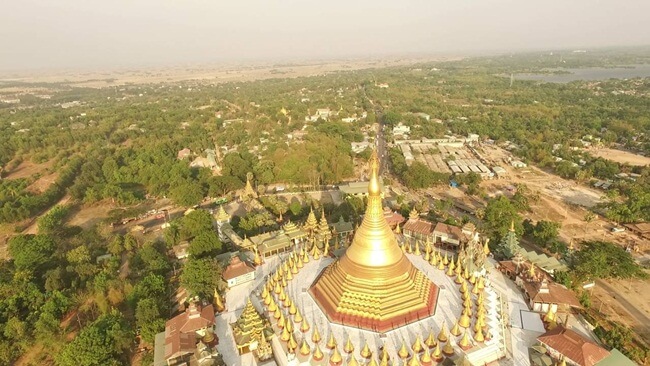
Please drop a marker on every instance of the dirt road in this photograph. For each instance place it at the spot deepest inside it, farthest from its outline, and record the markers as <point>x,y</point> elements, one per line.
<point>641,319</point>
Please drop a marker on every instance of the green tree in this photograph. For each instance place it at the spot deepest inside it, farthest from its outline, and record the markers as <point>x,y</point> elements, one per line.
<point>201,276</point>
<point>499,214</point>
<point>599,259</point>
<point>194,223</point>
<point>205,244</point>
<point>149,319</point>
<point>31,252</point>
<point>104,342</point>
<point>52,222</point>
<point>545,232</point>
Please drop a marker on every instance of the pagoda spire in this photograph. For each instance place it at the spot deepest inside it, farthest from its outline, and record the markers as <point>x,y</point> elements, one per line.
<point>375,263</point>
<point>218,303</point>
<point>336,358</point>
<point>315,335</point>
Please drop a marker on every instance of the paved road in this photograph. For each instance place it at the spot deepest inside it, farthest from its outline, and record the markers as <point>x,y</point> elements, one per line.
<point>643,321</point>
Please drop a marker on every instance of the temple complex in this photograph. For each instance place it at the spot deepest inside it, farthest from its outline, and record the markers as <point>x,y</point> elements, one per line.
<point>373,285</point>
<point>251,331</point>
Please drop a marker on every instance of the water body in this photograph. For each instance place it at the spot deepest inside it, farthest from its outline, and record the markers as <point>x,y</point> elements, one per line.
<point>591,73</point>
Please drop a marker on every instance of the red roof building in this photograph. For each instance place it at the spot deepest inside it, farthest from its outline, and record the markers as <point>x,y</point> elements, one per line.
<point>393,218</point>
<point>183,331</point>
<point>238,272</point>
<point>419,229</point>
<point>572,346</point>
<point>448,234</point>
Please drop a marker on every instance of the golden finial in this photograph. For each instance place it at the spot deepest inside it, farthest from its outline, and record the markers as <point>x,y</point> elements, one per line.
<point>414,361</point>
<point>315,335</point>
<point>426,358</point>
<point>478,336</point>
<point>365,350</point>
<point>336,358</point>
<point>464,320</point>
<point>218,303</point>
<point>431,340</point>
<point>297,317</point>
<point>437,353</point>
<point>285,334</point>
<point>442,336</point>
<point>373,186</point>
<point>464,342</point>
<point>417,345</point>
<point>384,355</point>
<point>304,326</point>
<point>331,342</point>
<point>292,344</point>
<point>550,315</point>
<point>352,361</point>
<point>304,348</point>
<point>318,354</point>
<point>349,347</point>
<point>403,352</point>
<point>448,349</point>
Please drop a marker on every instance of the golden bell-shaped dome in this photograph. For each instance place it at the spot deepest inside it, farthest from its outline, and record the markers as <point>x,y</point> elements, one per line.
<point>304,348</point>
<point>374,285</point>
<point>448,349</point>
<point>403,352</point>
<point>315,335</point>
<point>318,353</point>
<point>431,340</point>
<point>365,350</point>
<point>336,358</point>
<point>348,347</point>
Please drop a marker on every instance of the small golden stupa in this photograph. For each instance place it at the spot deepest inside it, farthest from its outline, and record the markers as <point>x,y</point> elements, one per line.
<point>373,285</point>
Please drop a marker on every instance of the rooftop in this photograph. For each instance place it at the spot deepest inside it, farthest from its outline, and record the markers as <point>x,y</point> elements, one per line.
<point>573,346</point>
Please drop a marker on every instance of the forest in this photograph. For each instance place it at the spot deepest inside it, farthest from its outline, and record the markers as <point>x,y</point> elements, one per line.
<point>66,290</point>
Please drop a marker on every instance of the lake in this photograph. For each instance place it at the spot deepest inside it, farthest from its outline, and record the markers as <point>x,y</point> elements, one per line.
<point>591,73</point>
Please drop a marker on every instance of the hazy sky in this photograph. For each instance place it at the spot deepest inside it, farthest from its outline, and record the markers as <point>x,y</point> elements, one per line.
<point>94,33</point>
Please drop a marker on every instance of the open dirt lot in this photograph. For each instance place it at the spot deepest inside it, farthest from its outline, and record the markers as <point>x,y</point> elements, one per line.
<point>620,156</point>
<point>209,73</point>
<point>27,169</point>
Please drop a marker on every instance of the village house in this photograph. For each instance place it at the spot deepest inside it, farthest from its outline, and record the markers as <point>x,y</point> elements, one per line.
<point>188,338</point>
<point>238,272</point>
<point>563,343</point>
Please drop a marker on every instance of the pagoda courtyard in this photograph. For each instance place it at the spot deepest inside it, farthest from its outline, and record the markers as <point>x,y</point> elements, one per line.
<point>380,301</point>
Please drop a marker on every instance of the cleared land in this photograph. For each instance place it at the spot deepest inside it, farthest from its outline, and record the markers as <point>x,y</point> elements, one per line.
<point>207,73</point>
<point>620,156</point>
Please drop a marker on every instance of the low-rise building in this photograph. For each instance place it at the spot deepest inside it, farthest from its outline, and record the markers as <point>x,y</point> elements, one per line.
<point>447,234</point>
<point>238,272</point>
<point>572,347</point>
<point>187,338</point>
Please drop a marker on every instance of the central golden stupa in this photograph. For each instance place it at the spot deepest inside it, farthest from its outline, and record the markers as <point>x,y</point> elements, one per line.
<point>373,285</point>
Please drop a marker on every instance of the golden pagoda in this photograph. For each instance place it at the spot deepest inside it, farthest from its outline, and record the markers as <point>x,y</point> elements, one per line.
<point>248,329</point>
<point>315,335</point>
<point>264,350</point>
<point>323,228</point>
<point>335,358</point>
<point>414,361</point>
<point>352,361</point>
<point>373,285</point>
<point>304,326</point>
<point>436,354</point>
<point>431,340</point>
<point>331,342</point>
<point>318,354</point>
<point>365,350</point>
<point>218,303</point>
<point>349,347</point>
<point>248,190</point>
<point>311,223</point>
<point>403,352</point>
<point>304,348</point>
<point>417,345</point>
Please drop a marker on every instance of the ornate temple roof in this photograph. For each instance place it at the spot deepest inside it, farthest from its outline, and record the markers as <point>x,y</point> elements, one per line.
<point>373,285</point>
